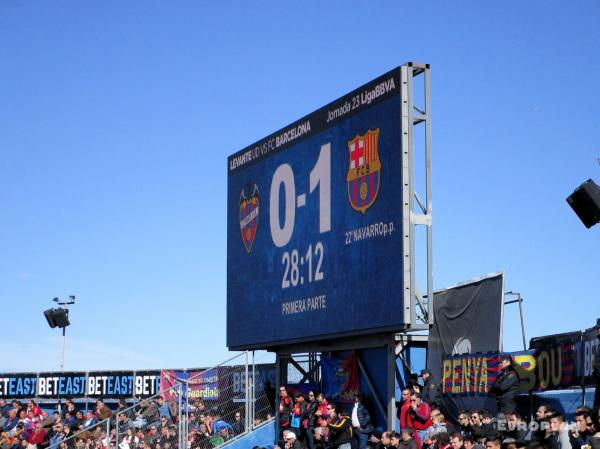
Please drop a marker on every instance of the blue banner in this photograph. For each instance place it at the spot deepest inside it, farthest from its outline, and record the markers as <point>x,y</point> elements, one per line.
<point>340,377</point>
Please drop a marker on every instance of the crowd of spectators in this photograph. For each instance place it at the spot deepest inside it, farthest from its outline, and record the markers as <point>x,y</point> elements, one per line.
<point>315,423</point>
<point>149,424</point>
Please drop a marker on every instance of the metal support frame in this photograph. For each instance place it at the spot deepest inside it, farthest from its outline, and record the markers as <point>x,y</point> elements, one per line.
<point>391,384</point>
<point>415,212</point>
<point>519,300</point>
<point>247,402</point>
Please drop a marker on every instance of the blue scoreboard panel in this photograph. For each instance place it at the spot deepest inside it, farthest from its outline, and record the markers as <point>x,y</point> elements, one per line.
<point>314,225</point>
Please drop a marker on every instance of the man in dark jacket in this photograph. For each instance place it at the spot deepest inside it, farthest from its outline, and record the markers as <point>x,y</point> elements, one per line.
<point>515,428</point>
<point>430,388</point>
<point>506,386</point>
<point>340,428</point>
<point>377,440</point>
<point>285,410</point>
<point>408,439</point>
<point>311,419</point>
<point>361,423</point>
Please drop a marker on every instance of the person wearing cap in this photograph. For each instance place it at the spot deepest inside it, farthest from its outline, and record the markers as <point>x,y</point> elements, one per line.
<point>430,387</point>
<point>506,385</point>
<point>291,441</point>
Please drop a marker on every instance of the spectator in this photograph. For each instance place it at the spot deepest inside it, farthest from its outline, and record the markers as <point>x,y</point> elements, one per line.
<point>12,420</point>
<point>404,407</point>
<point>419,418</point>
<point>506,385</point>
<point>102,411</point>
<point>291,441</point>
<point>469,443</point>
<point>90,420</point>
<point>560,431</point>
<point>311,419</point>
<point>152,435</point>
<point>395,440</point>
<point>408,439</point>
<point>129,441</point>
<point>122,422</point>
<point>376,440</point>
<point>71,407</point>
<point>442,441</point>
<point>430,388</point>
<point>438,426</point>
<point>36,436</point>
<point>488,424</point>
<point>580,434</point>
<point>321,412</point>
<point>361,423</point>
<point>493,443</point>
<point>225,433</point>
<point>33,407</point>
<point>296,414</point>
<point>464,422</point>
<point>238,424</point>
<point>285,410</point>
<point>163,408</point>
<point>516,429</point>
<point>477,430</point>
<point>456,440</point>
<point>70,420</point>
<point>340,429</point>
<point>164,422</point>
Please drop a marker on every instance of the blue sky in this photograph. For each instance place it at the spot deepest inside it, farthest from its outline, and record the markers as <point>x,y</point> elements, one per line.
<point>116,119</point>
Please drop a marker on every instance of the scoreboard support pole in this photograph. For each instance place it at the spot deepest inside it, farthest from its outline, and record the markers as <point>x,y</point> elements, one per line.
<point>391,384</point>
<point>418,315</point>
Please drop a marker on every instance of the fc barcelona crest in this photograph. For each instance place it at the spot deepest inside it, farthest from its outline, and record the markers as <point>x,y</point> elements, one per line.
<point>249,199</point>
<point>364,171</point>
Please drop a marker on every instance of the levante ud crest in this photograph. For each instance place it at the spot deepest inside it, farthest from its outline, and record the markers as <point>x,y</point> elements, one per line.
<point>249,200</point>
<point>364,170</point>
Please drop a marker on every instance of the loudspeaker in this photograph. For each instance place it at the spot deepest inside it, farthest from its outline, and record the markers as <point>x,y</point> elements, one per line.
<point>585,201</point>
<point>50,318</point>
<point>57,317</point>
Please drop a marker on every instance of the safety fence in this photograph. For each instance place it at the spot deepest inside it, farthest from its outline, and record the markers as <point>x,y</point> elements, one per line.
<point>193,410</point>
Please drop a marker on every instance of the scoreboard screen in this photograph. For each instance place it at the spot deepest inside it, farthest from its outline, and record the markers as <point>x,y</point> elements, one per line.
<point>314,225</point>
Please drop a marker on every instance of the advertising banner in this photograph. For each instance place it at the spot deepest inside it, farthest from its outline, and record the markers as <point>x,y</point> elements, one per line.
<point>64,385</point>
<point>314,224</point>
<point>121,384</point>
<point>139,384</point>
<point>546,368</point>
<point>195,384</point>
<point>18,386</point>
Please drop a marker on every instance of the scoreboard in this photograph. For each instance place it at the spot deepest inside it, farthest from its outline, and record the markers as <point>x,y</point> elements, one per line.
<point>314,225</point>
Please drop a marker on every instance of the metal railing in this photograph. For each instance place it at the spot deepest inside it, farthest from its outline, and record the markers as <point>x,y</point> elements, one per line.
<point>199,410</point>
